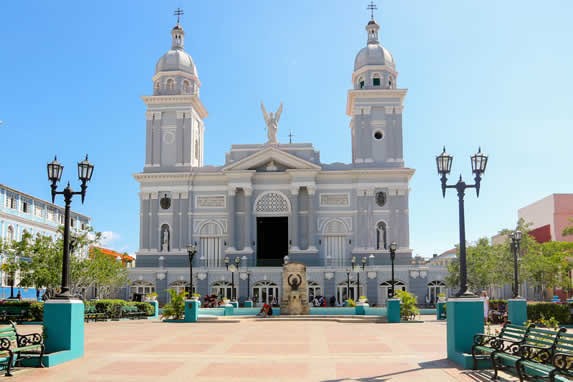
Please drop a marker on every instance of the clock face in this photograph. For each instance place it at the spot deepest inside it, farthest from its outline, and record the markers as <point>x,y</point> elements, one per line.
<point>381,198</point>
<point>165,202</point>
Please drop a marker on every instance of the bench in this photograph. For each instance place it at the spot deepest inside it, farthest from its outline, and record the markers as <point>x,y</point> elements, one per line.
<point>90,313</point>
<point>536,363</point>
<point>131,312</point>
<point>538,347</point>
<point>508,340</point>
<point>13,315</point>
<point>15,347</point>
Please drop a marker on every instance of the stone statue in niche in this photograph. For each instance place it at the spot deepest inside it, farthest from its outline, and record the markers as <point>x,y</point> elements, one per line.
<point>164,238</point>
<point>295,290</point>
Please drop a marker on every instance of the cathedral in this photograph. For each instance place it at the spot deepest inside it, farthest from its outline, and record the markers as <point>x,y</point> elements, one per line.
<point>275,202</point>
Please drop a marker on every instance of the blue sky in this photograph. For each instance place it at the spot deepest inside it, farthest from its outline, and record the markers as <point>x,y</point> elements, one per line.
<point>489,73</point>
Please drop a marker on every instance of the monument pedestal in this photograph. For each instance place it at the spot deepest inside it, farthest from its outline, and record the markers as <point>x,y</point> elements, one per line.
<point>64,331</point>
<point>517,311</point>
<point>192,310</point>
<point>393,310</point>
<point>464,320</point>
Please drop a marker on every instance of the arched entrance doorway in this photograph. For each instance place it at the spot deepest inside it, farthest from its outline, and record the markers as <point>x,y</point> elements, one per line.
<point>342,291</point>
<point>385,290</point>
<point>222,289</point>
<point>272,210</point>
<point>434,289</point>
<point>265,292</point>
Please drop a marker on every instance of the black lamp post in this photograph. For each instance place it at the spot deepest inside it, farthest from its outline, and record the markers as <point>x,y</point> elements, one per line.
<point>363,262</point>
<point>515,241</point>
<point>191,251</point>
<point>393,247</point>
<point>444,164</point>
<point>244,258</point>
<point>55,170</point>
<point>347,284</point>
<point>232,268</point>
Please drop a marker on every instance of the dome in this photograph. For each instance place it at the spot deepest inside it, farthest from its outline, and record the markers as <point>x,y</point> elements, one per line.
<point>176,60</point>
<point>373,54</point>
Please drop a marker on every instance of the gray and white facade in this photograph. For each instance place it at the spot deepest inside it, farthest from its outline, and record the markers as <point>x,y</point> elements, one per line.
<point>275,199</point>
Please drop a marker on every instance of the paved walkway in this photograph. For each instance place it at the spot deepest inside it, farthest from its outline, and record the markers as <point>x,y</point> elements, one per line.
<point>259,350</point>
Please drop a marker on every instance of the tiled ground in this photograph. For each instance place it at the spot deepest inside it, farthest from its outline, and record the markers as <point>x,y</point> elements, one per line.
<point>259,350</point>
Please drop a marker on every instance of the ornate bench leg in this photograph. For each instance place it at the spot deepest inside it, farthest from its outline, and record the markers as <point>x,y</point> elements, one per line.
<point>42,356</point>
<point>9,366</point>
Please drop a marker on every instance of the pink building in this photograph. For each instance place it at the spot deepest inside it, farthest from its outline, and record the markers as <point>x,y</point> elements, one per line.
<point>549,216</point>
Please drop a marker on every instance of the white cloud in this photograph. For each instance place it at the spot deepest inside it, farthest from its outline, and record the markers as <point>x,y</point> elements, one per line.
<point>108,238</point>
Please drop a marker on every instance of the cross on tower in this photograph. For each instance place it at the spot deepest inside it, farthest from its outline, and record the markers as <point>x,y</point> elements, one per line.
<point>178,12</point>
<point>372,7</point>
<point>290,135</point>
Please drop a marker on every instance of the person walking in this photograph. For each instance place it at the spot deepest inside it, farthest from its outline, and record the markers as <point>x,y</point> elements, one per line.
<point>485,306</point>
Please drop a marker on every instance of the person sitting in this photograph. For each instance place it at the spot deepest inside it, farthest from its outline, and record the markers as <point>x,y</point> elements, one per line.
<point>264,312</point>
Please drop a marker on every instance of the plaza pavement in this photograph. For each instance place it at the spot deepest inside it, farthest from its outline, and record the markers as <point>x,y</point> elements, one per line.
<point>251,349</point>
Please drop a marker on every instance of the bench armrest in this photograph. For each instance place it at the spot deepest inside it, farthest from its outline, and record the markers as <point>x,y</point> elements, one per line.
<point>5,344</point>
<point>29,339</point>
<point>562,361</point>
<point>535,353</point>
<point>506,345</point>
<point>483,339</point>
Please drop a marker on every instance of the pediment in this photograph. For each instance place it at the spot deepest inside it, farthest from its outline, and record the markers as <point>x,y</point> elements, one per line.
<point>271,159</point>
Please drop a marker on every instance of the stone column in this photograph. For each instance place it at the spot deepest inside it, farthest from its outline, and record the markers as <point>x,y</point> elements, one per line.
<point>294,217</point>
<point>311,223</point>
<point>231,226</point>
<point>248,216</point>
<point>369,201</point>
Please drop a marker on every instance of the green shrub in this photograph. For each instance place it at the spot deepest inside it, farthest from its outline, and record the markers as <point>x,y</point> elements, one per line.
<point>350,302</point>
<point>499,305</point>
<point>408,308</point>
<point>37,311</point>
<point>176,307</point>
<point>538,311</point>
<point>144,307</point>
<point>112,308</point>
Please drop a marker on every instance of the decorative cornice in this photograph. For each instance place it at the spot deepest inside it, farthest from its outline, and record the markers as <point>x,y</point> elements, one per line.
<point>183,100</point>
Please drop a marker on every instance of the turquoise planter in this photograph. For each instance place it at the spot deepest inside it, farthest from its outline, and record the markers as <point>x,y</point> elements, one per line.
<point>229,309</point>
<point>248,304</point>
<point>440,311</point>
<point>517,311</point>
<point>192,310</point>
<point>64,326</point>
<point>393,310</point>
<point>464,320</point>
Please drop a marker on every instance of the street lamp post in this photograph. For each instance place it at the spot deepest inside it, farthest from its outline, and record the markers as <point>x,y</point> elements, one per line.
<point>515,241</point>
<point>55,170</point>
<point>191,251</point>
<point>232,268</point>
<point>347,284</point>
<point>363,262</point>
<point>444,164</point>
<point>393,247</point>
<point>244,258</point>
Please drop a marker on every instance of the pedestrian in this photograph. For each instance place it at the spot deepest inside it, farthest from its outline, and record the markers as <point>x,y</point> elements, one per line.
<point>19,296</point>
<point>485,306</point>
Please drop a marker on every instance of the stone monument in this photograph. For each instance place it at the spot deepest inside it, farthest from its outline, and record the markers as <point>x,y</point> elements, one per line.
<point>295,290</point>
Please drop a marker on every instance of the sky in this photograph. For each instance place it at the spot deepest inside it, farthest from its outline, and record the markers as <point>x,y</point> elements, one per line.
<point>488,73</point>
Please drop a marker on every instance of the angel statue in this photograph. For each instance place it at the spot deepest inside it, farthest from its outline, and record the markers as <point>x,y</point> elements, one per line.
<point>272,122</point>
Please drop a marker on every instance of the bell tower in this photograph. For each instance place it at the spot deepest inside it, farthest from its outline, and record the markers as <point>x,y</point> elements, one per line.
<point>175,113</point>
<point>375,106</point>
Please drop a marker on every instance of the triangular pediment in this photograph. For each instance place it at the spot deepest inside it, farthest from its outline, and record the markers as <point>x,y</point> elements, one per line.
<point>271,159</point>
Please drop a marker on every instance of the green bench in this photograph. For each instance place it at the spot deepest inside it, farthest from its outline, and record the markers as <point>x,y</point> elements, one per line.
<point>538,363</point>
<point>537,348</point>
<point>508,341</point>
<point>131,312</point>
<point>16,314</point>
<point>15,347</point>
<point>90,313</point>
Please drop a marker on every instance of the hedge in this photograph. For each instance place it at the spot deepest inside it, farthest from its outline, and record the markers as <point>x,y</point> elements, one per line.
<point>549,309</point>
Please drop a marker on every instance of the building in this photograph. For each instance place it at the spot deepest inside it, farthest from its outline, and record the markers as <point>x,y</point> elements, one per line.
<point>272,200</point>
<point>549,217</point>
<point>21,212</point>
<point>126,260</point>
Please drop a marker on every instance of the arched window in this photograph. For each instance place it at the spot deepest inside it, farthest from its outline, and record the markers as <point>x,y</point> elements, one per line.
<point>361,82</point>
<point>334,240</point>
<point>385,288</point>
<point>381,236</point>
<point>376,79</point>
<point>434,289</point>
<point>390,82</point>
<point>186,86</point>
<point>211,244</point>
<point>180,286</point>
<point>142,287</point>
<point>265,292</point>
<point>170,84</point>
<point>313,290</point>
<point>343,292</point>
<point>222,289</point>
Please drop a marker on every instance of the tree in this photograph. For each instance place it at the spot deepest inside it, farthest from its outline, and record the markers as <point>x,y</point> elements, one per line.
<point>569,229</point>
<point>98,270</point>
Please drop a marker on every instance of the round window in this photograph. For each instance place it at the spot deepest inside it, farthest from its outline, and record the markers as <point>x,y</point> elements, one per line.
<point>378,135</point>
